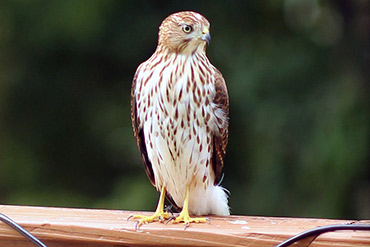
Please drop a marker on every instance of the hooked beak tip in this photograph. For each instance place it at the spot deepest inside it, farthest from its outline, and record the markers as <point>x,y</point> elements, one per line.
<point>206,37</point>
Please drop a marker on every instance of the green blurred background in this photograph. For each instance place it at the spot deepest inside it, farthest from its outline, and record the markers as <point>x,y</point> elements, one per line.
<point>298,75</point>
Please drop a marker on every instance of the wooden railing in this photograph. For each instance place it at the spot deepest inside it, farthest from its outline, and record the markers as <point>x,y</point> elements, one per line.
<point>90,227</point>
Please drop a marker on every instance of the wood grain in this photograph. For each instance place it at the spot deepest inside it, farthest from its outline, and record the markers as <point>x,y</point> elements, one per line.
<point>90,227</point>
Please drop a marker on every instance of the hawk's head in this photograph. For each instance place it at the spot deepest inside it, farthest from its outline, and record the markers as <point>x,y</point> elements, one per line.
<point>184,32</point>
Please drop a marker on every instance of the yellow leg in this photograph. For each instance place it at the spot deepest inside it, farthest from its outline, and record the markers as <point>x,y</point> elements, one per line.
<point>159,214</point>
<point>184,215</point>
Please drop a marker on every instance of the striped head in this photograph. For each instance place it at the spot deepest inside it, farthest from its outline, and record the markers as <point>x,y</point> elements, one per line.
<point>184,32</point>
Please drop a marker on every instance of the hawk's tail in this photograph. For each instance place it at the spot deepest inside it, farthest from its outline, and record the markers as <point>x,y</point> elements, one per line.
<point>212,201</point>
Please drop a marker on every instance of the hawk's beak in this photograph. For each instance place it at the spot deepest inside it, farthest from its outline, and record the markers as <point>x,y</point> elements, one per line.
<point>206,35</point>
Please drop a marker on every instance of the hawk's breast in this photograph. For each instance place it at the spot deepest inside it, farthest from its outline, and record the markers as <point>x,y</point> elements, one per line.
<point>174,104</point>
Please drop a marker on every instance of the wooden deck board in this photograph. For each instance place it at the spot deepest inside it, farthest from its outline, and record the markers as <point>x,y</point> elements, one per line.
<point>91,227</point>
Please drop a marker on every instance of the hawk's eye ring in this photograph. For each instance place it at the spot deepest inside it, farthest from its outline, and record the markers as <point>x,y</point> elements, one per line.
<point>187,28</point>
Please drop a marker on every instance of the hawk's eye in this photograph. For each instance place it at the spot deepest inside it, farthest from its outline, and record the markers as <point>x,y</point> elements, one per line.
<point>187,28</point>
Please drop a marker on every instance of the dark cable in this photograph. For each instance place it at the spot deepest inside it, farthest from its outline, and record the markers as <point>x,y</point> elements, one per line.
<point>21,230</point>
<point>320,230</point>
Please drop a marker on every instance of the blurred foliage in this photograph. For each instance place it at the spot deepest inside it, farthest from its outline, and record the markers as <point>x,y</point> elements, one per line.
<point>298,78</point>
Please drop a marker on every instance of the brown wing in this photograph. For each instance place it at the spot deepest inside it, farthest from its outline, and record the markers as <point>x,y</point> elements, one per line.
<point>220,137</point>
<point>139,133</point>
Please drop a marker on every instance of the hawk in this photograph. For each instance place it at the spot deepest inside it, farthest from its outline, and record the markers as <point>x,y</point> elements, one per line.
<point>179,112</point>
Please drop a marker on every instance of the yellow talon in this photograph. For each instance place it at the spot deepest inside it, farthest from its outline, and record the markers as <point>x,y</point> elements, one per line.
<point>159,214</point>
<point>184,215</point>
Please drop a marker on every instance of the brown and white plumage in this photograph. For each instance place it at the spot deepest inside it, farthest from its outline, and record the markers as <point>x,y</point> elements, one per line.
<point>179,112</point>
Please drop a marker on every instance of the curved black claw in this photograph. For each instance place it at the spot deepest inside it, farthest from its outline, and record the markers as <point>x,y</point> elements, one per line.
<point>137,225</point>
<point>186,225</point>
<point>129,217</point>
<point>171,219</point>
